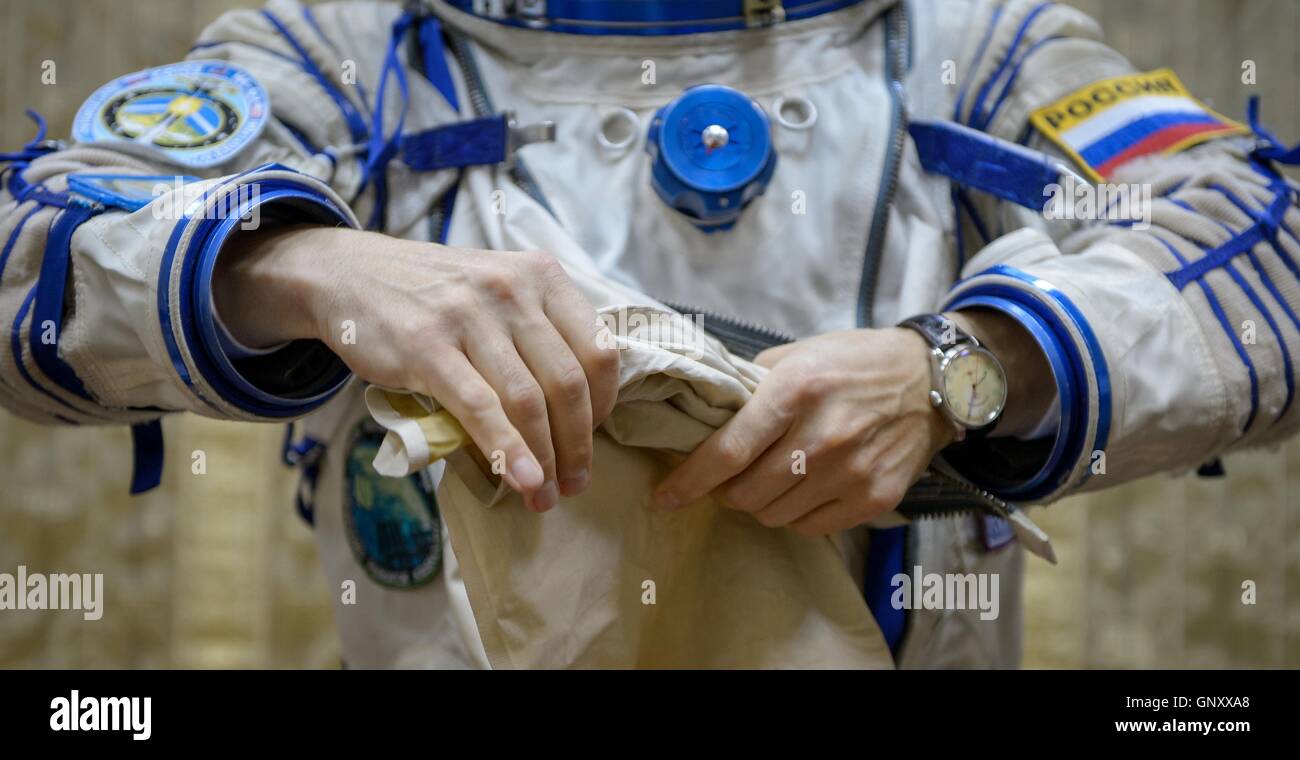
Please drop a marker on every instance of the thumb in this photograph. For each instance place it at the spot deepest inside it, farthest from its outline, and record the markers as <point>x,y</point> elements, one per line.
<point>771,356</point>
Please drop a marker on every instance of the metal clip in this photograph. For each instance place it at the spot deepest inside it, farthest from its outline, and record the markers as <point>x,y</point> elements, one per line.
<point>763,12</point>
<point>518,136</point>
<point>489,8</point>
<point>531,12</point>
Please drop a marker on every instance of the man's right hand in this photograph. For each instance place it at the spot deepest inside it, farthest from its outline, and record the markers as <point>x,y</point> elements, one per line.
<point>503,340</point>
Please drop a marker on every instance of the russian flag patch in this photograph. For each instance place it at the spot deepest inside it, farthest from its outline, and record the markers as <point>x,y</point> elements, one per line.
<point>1109,123</point>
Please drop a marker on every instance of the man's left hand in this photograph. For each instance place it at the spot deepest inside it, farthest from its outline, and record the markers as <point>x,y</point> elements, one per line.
<point>833,437</point>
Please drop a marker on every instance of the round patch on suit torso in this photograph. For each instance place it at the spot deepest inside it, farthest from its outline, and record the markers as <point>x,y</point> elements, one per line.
<point>392,524</point>
<point>195,113</point>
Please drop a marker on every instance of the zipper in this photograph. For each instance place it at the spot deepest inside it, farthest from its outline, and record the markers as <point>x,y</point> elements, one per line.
<point>897,55</point>
<point>940,494</point>
<point>937,494</point>
<point>481,102</point>
<point>742,338</point>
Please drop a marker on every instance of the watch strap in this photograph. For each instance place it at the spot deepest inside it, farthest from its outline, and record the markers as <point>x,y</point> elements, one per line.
<point>939,331</point>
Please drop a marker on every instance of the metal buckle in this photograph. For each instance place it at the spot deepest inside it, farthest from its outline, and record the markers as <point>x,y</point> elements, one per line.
<point>489,8</point>
<point>531,12</point>
<point>763,12</point>
<point>517,136</point>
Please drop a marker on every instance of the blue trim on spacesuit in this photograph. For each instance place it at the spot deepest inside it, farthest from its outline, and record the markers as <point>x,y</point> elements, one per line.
<point>1059,464</point>
<point>977,119</point>
<point>310,18</point>
<point>49,301</point>
<point>885,559</point>
<point>8,249</point>
<point>275,53</point>
<point>1036,296</point>
<point>1090,341</point>
<point>618,17</point>
<point>959,199</point>
<point>975,63</point>
<point>147,456</point>
<point>1270,148</point>
<point>200,253</point>
<point>1228,330</point>
<point>16,348</point>
<point>1271,219</point>
<point>356,125</point>
<point>307,144</point>
<point>1258,303</point>
<point>428,33</point>
<point>13,238</point>
<point>382,149</point>
<point>87,185</point>
<point>1216,257</point>
<point>1005,92</point>
<point>1230,268</point>
<point>981,161</point>
<point>196,281</point>
<point>473,142</point>
<point>23,191</point>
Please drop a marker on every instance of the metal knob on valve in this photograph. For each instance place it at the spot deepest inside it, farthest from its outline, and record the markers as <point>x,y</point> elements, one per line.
<point>711,152</point>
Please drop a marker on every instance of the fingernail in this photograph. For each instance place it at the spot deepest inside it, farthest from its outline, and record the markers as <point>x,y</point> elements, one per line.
<point>547,497</point>
<point>527,473</point>
<point>575,483</point>
<point>666,501</point>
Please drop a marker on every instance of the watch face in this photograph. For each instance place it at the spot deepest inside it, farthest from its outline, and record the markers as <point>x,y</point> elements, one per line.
<point>974,386</point>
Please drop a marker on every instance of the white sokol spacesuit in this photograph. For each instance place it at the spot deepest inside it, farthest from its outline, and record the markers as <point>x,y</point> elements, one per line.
<point>899,145</point>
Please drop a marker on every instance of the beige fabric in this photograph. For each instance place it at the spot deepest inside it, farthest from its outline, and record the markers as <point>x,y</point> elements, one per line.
<point>604,580</point>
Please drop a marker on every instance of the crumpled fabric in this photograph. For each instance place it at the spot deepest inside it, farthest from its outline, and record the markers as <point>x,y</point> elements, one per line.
<point>604,580</point>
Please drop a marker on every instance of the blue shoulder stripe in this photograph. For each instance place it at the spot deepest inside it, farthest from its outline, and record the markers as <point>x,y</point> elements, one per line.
<point>1229,330</point>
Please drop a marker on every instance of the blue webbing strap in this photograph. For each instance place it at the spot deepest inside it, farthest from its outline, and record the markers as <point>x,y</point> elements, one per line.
<point>463,143</point>
<point>887,552</point>
<point>977,160</point>
<point>47,308</point>
<point>147,448</point>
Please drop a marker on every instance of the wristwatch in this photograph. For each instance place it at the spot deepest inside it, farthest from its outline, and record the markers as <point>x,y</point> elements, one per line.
<point>967,383</point>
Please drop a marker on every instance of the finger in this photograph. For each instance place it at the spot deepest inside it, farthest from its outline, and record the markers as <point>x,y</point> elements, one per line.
<point>568,402</point>
<point>725,454</point>
<point>462,390</point>
<point>495,357</point>
<point>771,356</point>
<point>799,501</point>
<point>771,475</point>
<point>590,341</point>
<point>831,517</point>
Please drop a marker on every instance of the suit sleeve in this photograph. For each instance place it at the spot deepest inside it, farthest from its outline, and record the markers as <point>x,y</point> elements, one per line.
<point>1173,339</point>
<point>105,302</point>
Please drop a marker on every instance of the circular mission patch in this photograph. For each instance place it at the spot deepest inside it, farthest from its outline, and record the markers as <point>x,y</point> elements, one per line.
<point>197,113</point>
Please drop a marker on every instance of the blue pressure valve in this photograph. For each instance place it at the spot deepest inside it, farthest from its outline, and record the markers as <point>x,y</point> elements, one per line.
<point>711,154</point>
